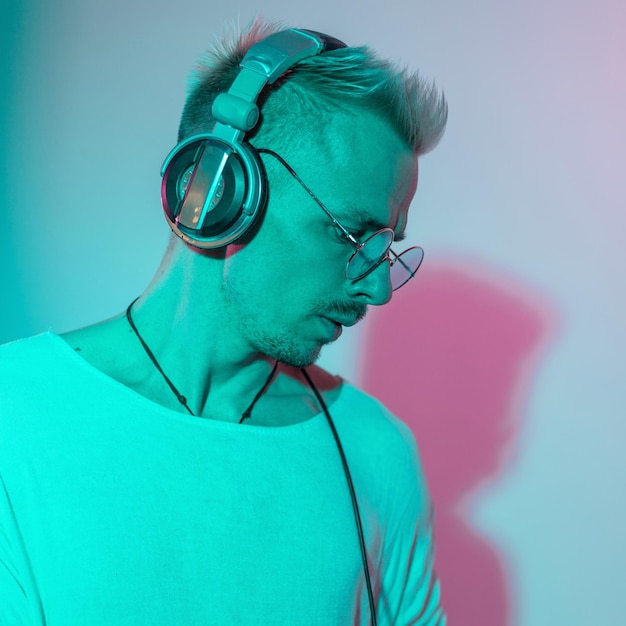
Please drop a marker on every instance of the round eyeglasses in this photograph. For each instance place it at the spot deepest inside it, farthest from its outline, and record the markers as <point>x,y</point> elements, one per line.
<point>376,249</point>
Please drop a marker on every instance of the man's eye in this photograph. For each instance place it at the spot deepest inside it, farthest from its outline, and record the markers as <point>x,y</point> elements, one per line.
<point>341,236</point>
<point>357,234</point>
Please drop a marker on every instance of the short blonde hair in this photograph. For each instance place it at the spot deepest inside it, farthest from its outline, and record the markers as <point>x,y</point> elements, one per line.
<point>346,78</point>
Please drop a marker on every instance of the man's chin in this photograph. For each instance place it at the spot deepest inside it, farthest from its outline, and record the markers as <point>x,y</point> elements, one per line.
<point>301,359</point>
<point>306,360</point>
<point>297,355</point>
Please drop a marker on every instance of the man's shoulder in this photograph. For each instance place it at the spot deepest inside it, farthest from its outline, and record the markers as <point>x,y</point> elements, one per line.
<point>364,417</point>
<point>31,363</point>
<point>29,351</point>
<point>381,449</point>
<point>372,409</point>
<point>31,372</point>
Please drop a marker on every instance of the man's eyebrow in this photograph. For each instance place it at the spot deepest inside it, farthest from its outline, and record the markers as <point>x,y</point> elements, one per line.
<point>370,223</point>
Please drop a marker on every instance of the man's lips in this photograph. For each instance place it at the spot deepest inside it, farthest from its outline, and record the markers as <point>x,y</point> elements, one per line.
<point>354,317</point>
<point>345,316</point>
<point>344,321</point>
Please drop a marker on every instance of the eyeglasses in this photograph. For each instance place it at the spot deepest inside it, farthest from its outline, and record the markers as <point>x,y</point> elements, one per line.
<point>376,249</point>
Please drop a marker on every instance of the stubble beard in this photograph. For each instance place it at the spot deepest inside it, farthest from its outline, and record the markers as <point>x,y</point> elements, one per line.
<point>283,346</point>
<point>272,342</point>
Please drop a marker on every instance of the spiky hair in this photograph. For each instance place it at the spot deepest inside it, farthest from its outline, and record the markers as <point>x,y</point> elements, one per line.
<point>345,78</point>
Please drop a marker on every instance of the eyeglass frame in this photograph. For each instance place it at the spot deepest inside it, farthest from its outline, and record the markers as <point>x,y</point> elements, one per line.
<point>359,245</point>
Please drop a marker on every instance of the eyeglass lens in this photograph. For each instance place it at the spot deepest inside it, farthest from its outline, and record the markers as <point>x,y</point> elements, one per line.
<point>367,257</point>
<point>375,250</point>
<point>404,266</point>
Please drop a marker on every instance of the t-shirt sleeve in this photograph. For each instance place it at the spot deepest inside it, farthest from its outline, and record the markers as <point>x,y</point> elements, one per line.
<point>409,587</point>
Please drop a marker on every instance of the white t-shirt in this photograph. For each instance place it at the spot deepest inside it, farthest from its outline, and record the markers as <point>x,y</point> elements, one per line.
<point>115,510</point>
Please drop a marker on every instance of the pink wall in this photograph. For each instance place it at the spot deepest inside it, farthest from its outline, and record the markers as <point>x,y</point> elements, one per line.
<point>454,357</point>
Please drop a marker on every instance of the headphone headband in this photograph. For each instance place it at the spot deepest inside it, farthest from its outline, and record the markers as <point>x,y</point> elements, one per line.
<point>263,64</point>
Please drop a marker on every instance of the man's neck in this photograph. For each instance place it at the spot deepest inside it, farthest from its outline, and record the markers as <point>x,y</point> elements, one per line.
<point>215,384</point>
<point>184,321</point>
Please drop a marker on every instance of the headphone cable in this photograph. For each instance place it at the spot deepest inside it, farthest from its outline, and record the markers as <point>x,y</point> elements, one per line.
<point>355,504</point>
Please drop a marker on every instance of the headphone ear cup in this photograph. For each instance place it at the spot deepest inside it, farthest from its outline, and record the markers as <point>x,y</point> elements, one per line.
<point>212,190</point>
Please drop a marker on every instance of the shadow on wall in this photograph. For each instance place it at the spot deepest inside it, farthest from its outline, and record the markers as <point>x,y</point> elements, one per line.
<point>454,357</point>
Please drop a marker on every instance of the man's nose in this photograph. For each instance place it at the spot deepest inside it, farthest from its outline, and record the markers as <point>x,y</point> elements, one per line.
<point>374,288</point>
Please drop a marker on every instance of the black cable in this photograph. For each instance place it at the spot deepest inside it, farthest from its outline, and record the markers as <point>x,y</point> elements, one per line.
<point>355,504</point>
<point>248,412</point>
<point>179,396</point>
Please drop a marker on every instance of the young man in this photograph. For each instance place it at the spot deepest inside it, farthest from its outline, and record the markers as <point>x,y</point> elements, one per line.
<point>184,462</point>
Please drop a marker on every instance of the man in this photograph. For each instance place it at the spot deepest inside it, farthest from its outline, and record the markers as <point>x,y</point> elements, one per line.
<point>177,464</point>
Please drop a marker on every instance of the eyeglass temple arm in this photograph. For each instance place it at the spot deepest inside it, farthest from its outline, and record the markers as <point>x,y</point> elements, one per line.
<point>290,169</point>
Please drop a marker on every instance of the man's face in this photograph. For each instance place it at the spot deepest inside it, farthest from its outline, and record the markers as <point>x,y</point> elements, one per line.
<point>286,293</point>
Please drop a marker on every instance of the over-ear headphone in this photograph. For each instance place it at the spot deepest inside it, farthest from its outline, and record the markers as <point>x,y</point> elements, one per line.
<point>213,185</point>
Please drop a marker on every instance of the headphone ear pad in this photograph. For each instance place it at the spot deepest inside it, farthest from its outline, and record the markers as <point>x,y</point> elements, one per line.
<point>212,190</point>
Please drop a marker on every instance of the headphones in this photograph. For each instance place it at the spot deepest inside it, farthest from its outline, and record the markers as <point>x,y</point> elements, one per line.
<point>213,185</point>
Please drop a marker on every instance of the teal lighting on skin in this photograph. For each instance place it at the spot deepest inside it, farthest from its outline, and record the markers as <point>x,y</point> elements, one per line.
<point>369,254</point>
